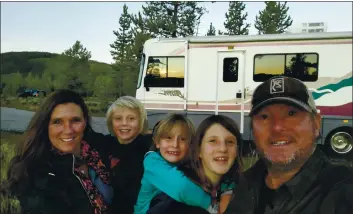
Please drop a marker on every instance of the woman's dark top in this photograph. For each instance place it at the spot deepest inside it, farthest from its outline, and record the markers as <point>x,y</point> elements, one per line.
<point>54,187</point>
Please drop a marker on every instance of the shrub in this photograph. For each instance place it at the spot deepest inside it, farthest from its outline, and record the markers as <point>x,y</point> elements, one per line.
<point>92,103</point>
<point>93,109</point>
<point>35,100</point>
<point>23,101</point>
<point>4,100</point>
<point>11,98</point>
<point>29,101</point>
<point>7,151</point>
<point>33,107</point>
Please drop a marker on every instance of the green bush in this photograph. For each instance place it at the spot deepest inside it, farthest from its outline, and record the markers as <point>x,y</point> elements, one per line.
<point>94,109</point>
<point>104,106</point>
<point>92,99</point>
<point>4,100</point>
<point>23,101</point>
<point>92,103</point>
<point>34,100</point>
<point>30,101</point>
<point>33,108</point>
<point>11,98</point>
<point>9,205</point>
<point>7,151</point>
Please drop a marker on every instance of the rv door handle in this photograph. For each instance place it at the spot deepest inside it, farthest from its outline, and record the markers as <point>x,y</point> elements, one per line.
<point>238,95</point>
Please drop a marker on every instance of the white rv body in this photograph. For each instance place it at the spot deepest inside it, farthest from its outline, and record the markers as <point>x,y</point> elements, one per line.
<point>218,74</point>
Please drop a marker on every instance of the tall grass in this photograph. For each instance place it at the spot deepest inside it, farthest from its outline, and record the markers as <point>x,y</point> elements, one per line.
<point>7,151</point>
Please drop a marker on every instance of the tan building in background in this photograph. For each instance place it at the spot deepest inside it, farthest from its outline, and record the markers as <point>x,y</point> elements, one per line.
<point>308,27</point>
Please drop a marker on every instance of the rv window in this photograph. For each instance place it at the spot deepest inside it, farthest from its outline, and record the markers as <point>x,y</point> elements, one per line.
<point>303,66</point>
<point>230,69</point>
<point>165,72</point>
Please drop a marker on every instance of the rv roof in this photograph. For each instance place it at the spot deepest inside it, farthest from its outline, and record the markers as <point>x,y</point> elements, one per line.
<point>265,37</point>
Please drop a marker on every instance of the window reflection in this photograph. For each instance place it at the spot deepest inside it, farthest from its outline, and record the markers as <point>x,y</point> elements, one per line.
<point>303,66</point>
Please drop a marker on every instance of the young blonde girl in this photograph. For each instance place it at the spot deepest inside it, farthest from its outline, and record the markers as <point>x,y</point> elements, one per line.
<point>172,139</point>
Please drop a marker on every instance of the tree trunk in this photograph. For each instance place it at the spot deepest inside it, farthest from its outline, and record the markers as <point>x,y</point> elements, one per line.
<point>175,19</point>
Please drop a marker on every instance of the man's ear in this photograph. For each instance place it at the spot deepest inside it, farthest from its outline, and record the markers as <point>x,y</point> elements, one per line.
<point>317,123</point>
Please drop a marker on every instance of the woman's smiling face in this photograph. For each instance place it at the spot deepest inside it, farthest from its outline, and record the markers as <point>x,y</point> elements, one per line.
<point>66,127</point>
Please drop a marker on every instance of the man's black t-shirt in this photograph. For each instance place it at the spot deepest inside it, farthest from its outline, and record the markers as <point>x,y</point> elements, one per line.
<point>319,187</point>
<point>266,199</point>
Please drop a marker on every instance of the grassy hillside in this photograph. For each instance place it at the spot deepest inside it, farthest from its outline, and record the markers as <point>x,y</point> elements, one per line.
<point>50,71</point>
<point>37,62</point>
<point>12,62</point>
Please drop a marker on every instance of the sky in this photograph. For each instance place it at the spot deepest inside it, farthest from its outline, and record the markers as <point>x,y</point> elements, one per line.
<point>55,26</point>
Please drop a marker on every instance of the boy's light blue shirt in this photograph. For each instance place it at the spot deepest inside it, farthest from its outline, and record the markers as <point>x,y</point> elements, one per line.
<point>159,175</point>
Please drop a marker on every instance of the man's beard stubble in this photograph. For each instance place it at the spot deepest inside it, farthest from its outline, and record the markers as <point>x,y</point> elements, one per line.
<point>297,159</point>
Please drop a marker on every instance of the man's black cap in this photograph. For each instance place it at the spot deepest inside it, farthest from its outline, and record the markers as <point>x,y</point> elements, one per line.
<point>281,89</point>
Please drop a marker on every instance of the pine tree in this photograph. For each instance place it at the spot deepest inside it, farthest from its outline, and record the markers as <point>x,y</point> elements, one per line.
<point>190,18</point>
<point>77,51</point>
<point>211,31</point>
<point>173,18</point>
<point>274,19</point>
<point>235,19</point>
<point>122,50</point>
<point>140,35</point>
<point>77,75</point>
<point>121,47</point>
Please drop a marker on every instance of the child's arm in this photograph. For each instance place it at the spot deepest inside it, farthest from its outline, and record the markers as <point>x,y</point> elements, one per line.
<point>173,182</point>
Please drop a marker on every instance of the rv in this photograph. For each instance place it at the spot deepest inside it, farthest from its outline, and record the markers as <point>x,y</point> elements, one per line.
<point>201,76</point>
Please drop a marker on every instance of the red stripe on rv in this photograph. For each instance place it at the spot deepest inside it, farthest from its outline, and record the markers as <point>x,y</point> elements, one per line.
<point>343,110</point>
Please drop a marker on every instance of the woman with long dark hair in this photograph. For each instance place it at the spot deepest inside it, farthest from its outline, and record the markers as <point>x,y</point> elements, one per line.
<point>58,168</point>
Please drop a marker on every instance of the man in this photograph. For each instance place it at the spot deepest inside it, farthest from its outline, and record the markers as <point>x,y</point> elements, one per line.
<point>293,176</point>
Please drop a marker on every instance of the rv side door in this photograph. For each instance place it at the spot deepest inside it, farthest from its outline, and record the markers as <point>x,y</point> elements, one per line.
<point>230,85</point>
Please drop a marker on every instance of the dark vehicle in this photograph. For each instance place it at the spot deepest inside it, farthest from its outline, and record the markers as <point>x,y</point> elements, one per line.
<point>32,93</point>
